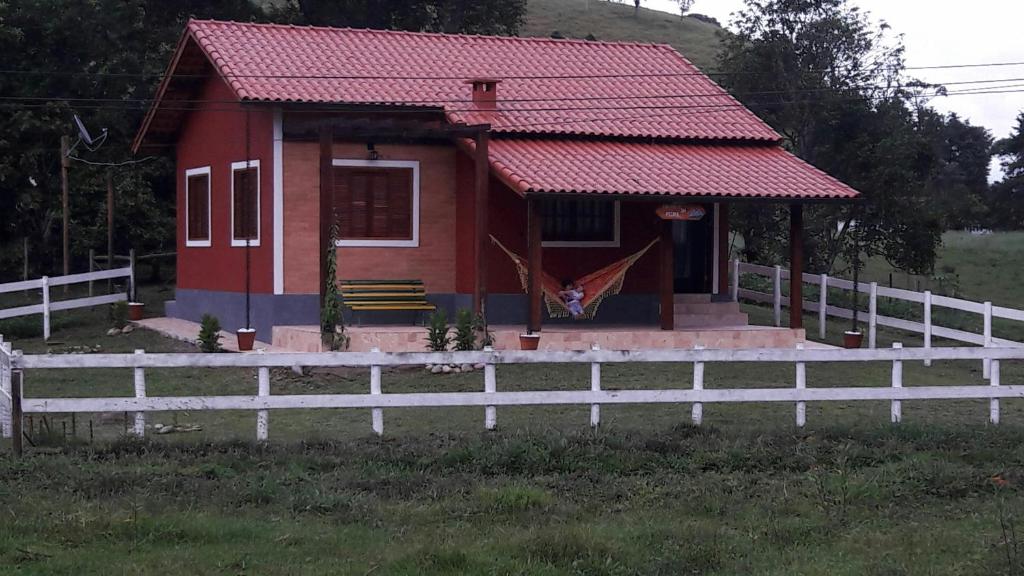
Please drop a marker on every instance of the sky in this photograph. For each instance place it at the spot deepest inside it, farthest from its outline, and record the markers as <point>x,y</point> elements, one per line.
<point>938,33</point>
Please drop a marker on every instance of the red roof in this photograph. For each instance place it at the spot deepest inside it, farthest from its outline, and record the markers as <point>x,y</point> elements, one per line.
<point>546,85</point>
<point>616,167</point>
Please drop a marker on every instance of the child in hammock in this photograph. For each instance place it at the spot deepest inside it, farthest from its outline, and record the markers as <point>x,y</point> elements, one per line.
<point>572,295</point>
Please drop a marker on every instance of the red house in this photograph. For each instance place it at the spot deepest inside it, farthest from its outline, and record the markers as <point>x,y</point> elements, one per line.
<point>483,166</point>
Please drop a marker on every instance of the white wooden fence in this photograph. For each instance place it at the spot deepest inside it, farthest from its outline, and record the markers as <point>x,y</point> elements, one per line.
<point>927,327</point>
<point>47,306</point>
<point>489,397</point>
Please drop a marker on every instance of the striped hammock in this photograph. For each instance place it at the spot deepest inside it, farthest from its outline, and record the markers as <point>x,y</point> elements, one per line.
<point>596,286</point>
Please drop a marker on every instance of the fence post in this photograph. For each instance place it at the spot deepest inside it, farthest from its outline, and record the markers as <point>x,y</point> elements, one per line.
<point>928,325</point>
<point>823,308</point>
<point>896,406</point>
<point>17,389</point>
<point>377,413</point>
<point>46,307</point>
<point>986,364</point>
<point>262,418</point>
<point>490,387</point>
<point>801,384</point>
<point>92,259</point>
<point>993,404</point>
<point>872,314</point>
<point>697,412</point>
<point>595,386</point>
<point>140,392</point>
<point>736,279</point>
<point>131,278</point>
<point>6,399</point>
<point>777,295</point>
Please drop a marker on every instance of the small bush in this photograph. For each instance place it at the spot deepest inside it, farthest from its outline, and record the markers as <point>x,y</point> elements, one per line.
<point>437,331</point>
<point>118,315</point>
<point>465,337</point>
<point>209,334</point>
<point>24,327</point>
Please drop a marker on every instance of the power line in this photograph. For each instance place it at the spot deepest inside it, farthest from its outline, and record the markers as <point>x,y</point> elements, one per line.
<point>468,76</point>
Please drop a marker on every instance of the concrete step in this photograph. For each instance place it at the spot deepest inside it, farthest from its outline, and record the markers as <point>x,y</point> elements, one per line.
<point>692,298</point>
<point>707,307</point>
<point>710,320</point>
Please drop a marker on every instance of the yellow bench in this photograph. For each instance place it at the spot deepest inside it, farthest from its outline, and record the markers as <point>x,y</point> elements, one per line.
<point>385,295</point>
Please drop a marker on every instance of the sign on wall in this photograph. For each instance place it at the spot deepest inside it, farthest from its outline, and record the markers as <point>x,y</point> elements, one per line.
<point>681,212</point>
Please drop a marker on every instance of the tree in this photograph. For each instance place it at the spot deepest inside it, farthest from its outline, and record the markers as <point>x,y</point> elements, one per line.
<point>831,82</point>
<point>1007,195</point>
<point>684,7</point>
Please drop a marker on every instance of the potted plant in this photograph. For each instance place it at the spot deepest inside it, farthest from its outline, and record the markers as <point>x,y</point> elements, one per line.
<point>853,338</point>
<point>529,341</point>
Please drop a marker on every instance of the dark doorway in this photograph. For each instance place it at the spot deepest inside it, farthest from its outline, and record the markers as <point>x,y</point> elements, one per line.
<point>692,266</point>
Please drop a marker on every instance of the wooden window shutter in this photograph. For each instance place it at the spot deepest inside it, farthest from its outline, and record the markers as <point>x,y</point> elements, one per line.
<point>198,188</point>
<point>373,203</point>
<point>342,202</point>
<point>245,204</point>
<point>399,216</point>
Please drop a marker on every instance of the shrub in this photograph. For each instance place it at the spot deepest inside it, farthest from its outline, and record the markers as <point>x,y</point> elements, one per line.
<point>480,327</point>
<point>118,315</point>
<point>437,331</point>
<point>465,336</point>
<point>209,334</point>
<point>332,322</point>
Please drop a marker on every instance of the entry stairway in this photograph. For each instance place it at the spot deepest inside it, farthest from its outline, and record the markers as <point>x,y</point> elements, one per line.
<point>696,311</point>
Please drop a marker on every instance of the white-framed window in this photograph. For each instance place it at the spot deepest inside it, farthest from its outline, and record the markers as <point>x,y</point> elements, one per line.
<point>197,207</point>
<point>376,203</point>
<point>245,203</point>
<point>580,222</point>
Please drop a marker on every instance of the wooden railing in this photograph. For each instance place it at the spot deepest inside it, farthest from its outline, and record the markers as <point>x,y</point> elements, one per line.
<point>490,396</point>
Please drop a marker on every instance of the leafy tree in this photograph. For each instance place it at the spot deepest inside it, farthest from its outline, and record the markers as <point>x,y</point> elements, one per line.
<point>684,7</point>
<point>831,82</point>
<point>1007,195</point>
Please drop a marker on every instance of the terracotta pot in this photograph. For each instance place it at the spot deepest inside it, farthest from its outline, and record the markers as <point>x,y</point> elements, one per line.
<point>246,339</point>
<point>135,310</point>
<point>852,339</point>
<point>529,341</point>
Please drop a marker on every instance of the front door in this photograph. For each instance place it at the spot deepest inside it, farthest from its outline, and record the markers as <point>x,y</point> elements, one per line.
<point>692,254</point>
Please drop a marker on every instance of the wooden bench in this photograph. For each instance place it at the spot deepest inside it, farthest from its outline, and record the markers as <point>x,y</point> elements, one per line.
<point>385,295</point>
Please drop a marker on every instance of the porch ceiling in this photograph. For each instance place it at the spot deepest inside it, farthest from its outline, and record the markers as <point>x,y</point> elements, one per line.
<point>661,169</point>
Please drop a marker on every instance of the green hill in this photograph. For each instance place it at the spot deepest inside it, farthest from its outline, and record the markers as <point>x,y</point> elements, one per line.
<point>696,39</point>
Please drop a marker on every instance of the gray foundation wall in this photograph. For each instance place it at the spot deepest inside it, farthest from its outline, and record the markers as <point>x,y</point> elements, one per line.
<point>269,310</point>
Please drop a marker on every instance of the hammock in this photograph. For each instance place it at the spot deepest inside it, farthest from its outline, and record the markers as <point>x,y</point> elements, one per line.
<point>596,286</point>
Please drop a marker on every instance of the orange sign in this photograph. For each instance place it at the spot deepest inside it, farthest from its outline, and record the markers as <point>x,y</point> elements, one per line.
<point>677,212</point>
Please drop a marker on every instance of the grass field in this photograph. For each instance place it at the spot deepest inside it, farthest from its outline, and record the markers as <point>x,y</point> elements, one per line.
<point>646,494</point>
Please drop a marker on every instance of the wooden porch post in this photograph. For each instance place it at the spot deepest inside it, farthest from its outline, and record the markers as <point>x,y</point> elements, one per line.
<point>481,178</point>
<point>723,248</point>
<point>535,229</point>
<point>326,202</point>
<point>665,283</point>
<point>796,266</point>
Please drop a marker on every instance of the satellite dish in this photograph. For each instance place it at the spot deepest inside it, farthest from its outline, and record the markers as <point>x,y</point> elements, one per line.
<point>84,133</point>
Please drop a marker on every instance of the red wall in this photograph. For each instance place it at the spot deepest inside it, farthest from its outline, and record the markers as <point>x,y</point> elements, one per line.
<point>214,136</point>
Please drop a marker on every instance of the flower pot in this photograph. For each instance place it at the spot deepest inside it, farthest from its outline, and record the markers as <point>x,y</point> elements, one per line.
<point>135,310</point>
<point>246,339</point>
<point>852,339</point>
<point>529,341</point>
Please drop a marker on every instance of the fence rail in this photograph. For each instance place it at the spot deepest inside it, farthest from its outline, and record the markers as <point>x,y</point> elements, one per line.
<point>928,300</point>
<point>46,283</point>
<point>799,391</point>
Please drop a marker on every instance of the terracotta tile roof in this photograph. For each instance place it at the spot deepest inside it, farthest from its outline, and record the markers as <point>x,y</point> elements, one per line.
<point>546,86</point>
<point>695,170</point>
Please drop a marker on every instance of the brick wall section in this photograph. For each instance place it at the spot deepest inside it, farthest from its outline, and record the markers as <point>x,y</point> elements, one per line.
<point>433,261</point>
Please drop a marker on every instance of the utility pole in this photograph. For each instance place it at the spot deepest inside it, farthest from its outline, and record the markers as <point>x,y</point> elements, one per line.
<point>110,224</point>
<point>65,163</point>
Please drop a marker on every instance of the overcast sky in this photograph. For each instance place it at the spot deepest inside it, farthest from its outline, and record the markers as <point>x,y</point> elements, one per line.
<point>937,33</point>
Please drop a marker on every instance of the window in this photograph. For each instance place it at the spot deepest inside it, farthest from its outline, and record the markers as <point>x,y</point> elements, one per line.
<point>245,203</point>
<point>580,222</point>
<point>197,207</point>
<point>376,202</point>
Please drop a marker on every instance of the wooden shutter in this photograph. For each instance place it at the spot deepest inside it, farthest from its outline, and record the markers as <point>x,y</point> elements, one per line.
<point>245,204</point>
<point>198,190</point>
<point>373,203</point>
<point>400,214</point>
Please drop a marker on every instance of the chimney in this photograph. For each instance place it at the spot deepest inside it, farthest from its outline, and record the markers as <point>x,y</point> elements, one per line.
<point>485,91</point>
